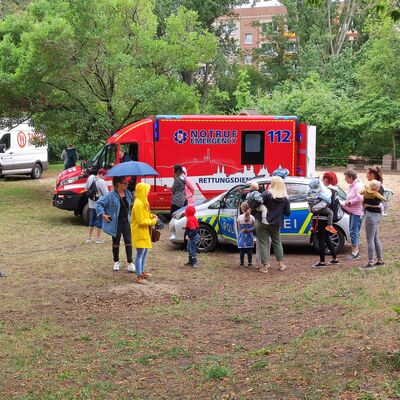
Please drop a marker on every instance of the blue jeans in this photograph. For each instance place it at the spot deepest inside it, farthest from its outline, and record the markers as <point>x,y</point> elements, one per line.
<point>141,255</point>
<point>355,226</point>
<point>191,245</point>
<point>94,220</point>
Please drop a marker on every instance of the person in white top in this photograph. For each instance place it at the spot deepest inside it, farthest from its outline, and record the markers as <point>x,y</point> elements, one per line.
<point>101,190</point>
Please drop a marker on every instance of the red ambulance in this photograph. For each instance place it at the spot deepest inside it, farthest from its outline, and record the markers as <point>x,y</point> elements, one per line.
<point>217,151</point>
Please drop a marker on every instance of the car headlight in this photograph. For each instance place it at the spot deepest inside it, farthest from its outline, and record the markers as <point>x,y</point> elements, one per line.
<point>69,180</point>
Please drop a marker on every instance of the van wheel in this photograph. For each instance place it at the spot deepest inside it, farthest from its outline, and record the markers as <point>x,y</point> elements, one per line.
<point>85,214</point>
<point>36,171</point>
<point>336,238</point>
<point>208,239</point>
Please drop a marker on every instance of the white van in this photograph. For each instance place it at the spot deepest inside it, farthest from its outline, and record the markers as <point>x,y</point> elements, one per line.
<point>18,156</point>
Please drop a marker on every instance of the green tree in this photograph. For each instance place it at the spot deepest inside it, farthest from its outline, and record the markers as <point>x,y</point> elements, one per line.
<point>317,103</point>
<point>379,91</point>
<point>75,70</point>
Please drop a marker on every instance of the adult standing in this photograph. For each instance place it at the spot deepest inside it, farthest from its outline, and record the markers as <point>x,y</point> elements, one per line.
<point>70,156</point>
<point>141,220</point>
<point>373,217</point>
<point>330,180</point>
<point>114,208</point>
<point>178,189</point>
<point>101,189</point>
<point>353,205</point>
<point>277,202</point>
<point>189,188</point>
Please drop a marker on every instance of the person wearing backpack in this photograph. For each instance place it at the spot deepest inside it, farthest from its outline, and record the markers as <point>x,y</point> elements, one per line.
<point>320,222</point>
<point>96,187</point>
<point>70,156</point>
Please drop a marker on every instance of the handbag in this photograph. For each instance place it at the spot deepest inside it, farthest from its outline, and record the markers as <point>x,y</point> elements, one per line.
<point>154,234</point>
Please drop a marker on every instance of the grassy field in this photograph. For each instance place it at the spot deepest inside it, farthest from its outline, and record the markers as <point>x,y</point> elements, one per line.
<point>70,328</point>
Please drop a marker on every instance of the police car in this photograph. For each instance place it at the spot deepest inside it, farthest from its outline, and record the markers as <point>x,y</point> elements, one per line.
<point>217,217</point>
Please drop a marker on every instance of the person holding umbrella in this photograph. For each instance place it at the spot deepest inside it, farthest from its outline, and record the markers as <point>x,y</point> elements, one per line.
<point>114,208</point>
<point>141,220</point>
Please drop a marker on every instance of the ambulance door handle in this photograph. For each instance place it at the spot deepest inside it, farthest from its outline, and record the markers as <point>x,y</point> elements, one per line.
<point>10,152</point>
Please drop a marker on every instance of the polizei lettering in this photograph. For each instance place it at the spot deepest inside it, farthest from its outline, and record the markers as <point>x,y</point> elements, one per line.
<point>210,136</point>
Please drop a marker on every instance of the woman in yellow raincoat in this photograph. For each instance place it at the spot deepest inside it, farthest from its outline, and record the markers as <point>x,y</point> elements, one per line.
<point>141,219</point>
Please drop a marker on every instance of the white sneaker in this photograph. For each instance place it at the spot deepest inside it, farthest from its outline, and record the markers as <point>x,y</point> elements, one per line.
<point>88,240</point>
<point>131,267</point>
<point>99,241</point>
<point>117,266</point>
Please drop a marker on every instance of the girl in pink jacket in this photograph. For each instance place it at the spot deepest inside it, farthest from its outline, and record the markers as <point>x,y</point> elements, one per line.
<point>189,188</point>
<point>354,206</point>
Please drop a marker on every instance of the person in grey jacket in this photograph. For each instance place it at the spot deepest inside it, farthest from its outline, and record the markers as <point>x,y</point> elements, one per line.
<point>115,210</point>
<point>178,189</point>
<point>102,190</point>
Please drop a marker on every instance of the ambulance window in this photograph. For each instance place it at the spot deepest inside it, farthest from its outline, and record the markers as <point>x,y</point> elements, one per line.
<point>252,147</point>
<point>111,156</point>
<point>6,139</point>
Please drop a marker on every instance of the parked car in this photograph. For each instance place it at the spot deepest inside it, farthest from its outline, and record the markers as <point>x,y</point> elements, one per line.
<point>217,217</point>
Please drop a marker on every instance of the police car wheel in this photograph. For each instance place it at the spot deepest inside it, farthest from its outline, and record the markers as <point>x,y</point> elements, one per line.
<point>36,171</point>
<point>208,239</point>
<point>336,238</point>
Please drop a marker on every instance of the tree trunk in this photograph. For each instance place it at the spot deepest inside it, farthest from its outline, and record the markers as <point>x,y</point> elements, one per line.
<point>328,3</point>
<point>394,162</point>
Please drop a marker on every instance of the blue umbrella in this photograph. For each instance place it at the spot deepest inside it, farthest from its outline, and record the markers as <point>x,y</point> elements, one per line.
<point>132,168</point>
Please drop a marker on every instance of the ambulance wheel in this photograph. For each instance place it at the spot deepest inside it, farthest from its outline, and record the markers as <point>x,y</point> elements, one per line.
<point>85,214</point>
<point>208,239</point>
<point>337,239</point>
<point>36,171</point>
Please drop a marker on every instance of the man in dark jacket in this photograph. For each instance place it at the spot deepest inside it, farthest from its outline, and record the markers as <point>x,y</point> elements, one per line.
<point>69,156</point>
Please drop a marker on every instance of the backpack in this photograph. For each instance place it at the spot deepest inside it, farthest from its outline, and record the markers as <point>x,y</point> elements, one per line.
<point>92,193</point>
<point>336,207</point>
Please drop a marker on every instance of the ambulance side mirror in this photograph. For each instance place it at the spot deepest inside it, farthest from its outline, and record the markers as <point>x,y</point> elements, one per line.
<point>2,148</point>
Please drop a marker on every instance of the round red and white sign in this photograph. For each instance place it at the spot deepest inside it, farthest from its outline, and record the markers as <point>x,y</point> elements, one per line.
<point>21,139</point>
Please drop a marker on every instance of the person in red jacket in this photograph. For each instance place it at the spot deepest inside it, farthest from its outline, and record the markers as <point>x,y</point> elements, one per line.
<point>192,235</point>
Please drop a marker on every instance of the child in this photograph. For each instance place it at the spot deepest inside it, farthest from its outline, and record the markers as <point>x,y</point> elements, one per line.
<point>246,223</point>
<point>372,197</point>
<point>192,235</point>
<point>255,201</point>
<point>319,199</point>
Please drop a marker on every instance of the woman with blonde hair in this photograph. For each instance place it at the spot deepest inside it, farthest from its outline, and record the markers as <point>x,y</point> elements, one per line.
<point>277,203</point>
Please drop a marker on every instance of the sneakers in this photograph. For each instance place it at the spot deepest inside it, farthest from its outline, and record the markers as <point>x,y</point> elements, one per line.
<point>319,264</point>
<point>131,267</point>
<point>88,240</point>
<point>378,263</point>
<point>334,261</point>
<point>331,229</point>
<point>353,256</point>
<point>117,266</point>
<point>368,267</point>
<point>265,222</point>
<point>282,267</point>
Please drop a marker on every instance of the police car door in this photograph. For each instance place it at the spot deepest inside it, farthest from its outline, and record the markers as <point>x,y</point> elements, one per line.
<point>228,213</point>
<point>297,226</point>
